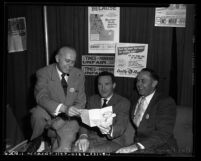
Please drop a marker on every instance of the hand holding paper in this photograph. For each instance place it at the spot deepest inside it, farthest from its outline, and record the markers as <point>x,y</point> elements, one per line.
<point>98,117</point>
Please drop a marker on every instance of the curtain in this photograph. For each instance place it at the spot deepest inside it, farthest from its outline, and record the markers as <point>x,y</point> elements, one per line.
<point>166,46</point>
<point>21,66</point>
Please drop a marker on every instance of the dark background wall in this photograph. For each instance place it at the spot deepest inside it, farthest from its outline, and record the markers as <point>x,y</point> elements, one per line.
<point>170,52</point>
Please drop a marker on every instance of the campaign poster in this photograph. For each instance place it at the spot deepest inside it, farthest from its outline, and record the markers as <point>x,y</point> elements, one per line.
<point>172,16</point>
<point>130,58</point>
<point>95,70</point>
<point>97,60</point>
<point>103,29</point>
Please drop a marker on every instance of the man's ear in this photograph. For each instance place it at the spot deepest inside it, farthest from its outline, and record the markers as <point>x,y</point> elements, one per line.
<point>114,85</point>
<point>154,83</point>
<point>57,58</point>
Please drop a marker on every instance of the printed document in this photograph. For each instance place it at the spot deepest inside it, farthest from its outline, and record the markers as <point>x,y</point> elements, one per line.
<point>96,117</point>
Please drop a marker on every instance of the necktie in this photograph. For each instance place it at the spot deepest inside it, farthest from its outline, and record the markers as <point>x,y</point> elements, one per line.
<point>104,102</point>
<point>64,83</point>
<point>139,112</point>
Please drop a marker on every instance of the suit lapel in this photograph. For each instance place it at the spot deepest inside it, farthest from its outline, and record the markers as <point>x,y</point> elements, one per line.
<point>153,101</point>
<point>57,83</point>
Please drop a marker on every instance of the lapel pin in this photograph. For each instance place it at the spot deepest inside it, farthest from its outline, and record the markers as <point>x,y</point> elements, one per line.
<point>147,116</point>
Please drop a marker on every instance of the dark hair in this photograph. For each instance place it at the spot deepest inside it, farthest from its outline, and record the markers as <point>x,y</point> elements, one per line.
<point>105,73</point>
<point>153,74</point>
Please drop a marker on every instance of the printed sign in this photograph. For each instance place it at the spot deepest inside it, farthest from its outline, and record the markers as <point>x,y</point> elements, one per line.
<point>130,59</point>
<point>97,60</point>
<point>103,29</point>
<point>172,16</point>
<point>94,70</point>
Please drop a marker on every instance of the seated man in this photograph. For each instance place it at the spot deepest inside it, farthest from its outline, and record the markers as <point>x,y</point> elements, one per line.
<point>59,90</point>
<point>105,138</point>
<point>154,118</point>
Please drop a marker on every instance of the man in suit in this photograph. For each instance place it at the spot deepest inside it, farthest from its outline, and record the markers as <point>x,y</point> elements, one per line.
<point>105,138</point>
<point>155,123</point>
<point>53,99</point>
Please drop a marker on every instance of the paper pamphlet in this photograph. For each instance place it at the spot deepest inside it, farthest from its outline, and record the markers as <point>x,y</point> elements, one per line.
<point>95,117</point>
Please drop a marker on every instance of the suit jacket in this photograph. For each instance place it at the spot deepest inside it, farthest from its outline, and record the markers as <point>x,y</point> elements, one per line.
<point>156,128</point>
<point>49,92</point>
<point>121,107</point>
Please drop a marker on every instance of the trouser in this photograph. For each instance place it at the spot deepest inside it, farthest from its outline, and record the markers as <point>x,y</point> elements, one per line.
<point>66,134</point>
<point>100,146</point>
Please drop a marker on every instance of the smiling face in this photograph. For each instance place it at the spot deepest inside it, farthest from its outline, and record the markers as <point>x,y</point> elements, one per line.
<point>65,59</point>
<point>105,86</point>
<point>145,83</point>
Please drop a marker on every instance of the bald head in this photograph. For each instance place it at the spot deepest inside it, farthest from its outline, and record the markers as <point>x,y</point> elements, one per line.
<point>65,59</point>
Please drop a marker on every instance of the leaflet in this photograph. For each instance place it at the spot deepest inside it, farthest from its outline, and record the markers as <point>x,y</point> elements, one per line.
<point>96,117</point>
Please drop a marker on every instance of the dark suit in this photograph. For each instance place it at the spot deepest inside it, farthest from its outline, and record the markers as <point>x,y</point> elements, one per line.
<point>49,94</point>
<point>106,143</point>
<point>155,131</point>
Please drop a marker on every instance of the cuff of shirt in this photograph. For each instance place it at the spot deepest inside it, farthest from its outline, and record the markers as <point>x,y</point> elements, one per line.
<point>140,146</point>
<point>83,135</point>
<point>111,132</point>
<point>57,109</point>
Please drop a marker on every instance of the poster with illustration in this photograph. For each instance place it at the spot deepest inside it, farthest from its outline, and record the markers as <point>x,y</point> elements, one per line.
<point>103,29</point>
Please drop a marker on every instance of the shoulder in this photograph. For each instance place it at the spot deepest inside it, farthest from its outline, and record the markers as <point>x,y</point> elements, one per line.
<point>94,97</point>
<point>77,72</point>
<point>47,69</point>
<point>120,98</point>
<point>164,100</point>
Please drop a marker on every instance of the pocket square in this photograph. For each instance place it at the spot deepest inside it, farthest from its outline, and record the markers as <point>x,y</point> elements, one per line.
<point>147,116</point>
<point>72,90</point>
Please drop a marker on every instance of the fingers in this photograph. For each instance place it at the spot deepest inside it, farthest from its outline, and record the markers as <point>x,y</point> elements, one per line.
<point>73,111</point>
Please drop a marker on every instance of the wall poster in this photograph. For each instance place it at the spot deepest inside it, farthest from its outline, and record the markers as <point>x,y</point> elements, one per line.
<point>130,58</point>
<point>17,34</point>
<point>103,29</point>
<point>172,16</point>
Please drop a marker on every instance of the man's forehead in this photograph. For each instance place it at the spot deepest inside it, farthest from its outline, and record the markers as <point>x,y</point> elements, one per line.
<point>68,54</point>
<point>143,74</point>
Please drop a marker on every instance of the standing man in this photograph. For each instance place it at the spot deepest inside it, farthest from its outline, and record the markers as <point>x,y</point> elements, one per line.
<point>59,90</point>
<point>153,116</point>
<point>105,138</point>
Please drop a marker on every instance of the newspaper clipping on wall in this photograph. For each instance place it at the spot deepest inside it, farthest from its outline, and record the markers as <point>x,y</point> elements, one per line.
<point>172,16</point>
<point>103,29</point>
<point>17,34</point>
<point>130,58</point>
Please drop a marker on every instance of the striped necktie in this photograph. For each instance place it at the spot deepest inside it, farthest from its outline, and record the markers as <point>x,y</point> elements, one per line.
<point>64,83</point>
<point>139,112</point>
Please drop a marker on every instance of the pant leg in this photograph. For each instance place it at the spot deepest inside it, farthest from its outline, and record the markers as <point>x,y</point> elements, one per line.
<point>106,146</point>
<point>99,146</point>
<point>39,119</point>
<point>67,135</point>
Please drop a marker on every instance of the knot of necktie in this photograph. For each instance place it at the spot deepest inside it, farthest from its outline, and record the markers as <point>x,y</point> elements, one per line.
<point>104,102</point>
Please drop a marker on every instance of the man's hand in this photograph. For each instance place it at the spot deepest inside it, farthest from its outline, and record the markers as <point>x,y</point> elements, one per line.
<point>83,144</point>
<point>128,149</point>
<point>73,111</point>
<point>104,130</point>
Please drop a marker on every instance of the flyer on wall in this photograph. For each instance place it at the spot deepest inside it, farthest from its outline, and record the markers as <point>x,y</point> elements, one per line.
<point>172,16</point>
<point>17,35</point>
<point>103,29</point>
<point>130,58</point>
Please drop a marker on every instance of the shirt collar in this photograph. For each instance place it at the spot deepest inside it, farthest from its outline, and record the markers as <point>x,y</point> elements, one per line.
<point>149,97</point>
<point>108,98</point>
